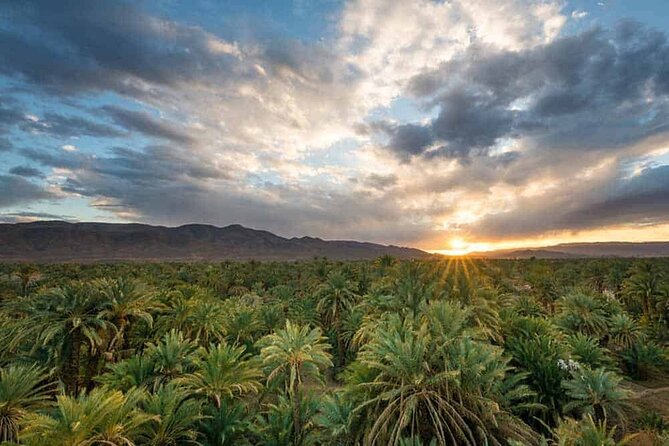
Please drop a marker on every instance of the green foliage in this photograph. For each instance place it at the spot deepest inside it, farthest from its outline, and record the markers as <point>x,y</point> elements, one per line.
<point>596,393</point>
<point>587,432</point>
<point>23,389</point>
<point>644,358</point>
<point>586,350</point>
<point>425,352</point>
<point>101,417</point>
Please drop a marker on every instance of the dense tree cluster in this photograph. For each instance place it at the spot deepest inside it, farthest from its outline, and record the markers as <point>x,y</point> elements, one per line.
<point>435,352</point>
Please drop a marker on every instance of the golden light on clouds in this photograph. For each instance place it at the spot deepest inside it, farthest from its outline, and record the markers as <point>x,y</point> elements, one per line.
<point>458,246</point>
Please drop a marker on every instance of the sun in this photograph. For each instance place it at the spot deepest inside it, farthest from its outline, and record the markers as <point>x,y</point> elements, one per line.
<point>460,247</point>
<point>458,244</point>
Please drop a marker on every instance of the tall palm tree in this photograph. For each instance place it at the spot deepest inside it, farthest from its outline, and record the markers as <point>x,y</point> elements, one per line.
<point>645,285</point>
<point>291,356</point>
<point>102,417</point>
<point>596,393</point>
<point>223,372</point>
<point>125,301</point>
<point>26,280</point>
<point>410,384</point>
<point>335,298</point>
<point>206,321</point>
<point>22,389</point>
<point>580,312</point>
<point>68,318</point>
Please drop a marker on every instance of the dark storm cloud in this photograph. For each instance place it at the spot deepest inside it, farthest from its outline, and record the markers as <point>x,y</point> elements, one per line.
<point>409,139</point>
<point>17,190</point>
<point>76,45</point>
<point>143,122</point>
<point>26,171</point>
<point>588,91</point>
<point>641,199</point>
<point>154,164</point>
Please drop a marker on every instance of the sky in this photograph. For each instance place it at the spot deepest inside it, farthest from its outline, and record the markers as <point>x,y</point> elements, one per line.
<point>451,126</point>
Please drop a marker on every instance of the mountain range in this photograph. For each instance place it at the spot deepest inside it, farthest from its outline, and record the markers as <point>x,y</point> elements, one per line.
<point>582,250</point>
<point>59,241</point>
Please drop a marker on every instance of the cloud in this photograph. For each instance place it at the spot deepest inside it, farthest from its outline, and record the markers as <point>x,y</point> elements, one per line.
<point>26,171</point>
<point>64,57</point>
<point>508,117</point>
<point>57,125</point>
<point>579,14</point>
<point>588,91</point>
<point>22,217</point>
<point>142,122</point>
<point>5,145</point>
<point>67,126</point>
<point>380,182</point>
<point>639,200</point>
<point>17,190</point>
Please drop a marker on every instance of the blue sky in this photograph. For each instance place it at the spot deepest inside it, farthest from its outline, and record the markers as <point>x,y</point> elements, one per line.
<point>475,124</point>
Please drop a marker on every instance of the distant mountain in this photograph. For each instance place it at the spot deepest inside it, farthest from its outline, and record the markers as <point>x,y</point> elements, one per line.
<point>581,250</point>
<point>58,241</point>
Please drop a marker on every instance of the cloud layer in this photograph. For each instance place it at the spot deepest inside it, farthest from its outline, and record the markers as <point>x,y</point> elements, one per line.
<point>413,122</point>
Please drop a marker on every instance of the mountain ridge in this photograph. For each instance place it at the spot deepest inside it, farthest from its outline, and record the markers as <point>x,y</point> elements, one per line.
<point>582,250</point>
<point>61,241</point>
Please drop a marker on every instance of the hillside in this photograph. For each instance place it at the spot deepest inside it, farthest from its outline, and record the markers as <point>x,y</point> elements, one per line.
<point>56,241</point>
<point>580,250</point>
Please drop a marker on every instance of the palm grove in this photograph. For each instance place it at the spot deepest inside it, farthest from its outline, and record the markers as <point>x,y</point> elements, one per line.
<point>335,353</point>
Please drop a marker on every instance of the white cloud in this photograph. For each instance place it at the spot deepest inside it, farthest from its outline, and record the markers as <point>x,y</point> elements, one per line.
<point>579,14</point>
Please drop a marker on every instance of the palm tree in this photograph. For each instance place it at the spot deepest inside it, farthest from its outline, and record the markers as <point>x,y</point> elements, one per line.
<point>206,321</point>
<point>410,384</point>
<point>173,356</point>
<point>69,317</point>
<point>644,285</point>
<point>102,417</point>
<point>587,351</point>
<point>580,312</point>
<point>228,425</point>
<point>242,324</point>
<point>334,419</point>
<point>276,427</point>
<point>539,356</point>
<point>175,417</point>
<point>335,298</point>
<point>624,331</point>
<point>22,389</point>
<point>136,371</point>
<point>293,355</point>
<point>586,432</point>
<point>125,302</point>
<point>223,372</point>
<point>596,393</point>
<point>26,280</point>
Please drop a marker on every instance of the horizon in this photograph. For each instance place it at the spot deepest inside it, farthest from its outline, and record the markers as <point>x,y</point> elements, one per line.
<point>452,127</point>
<point>458,250</point>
